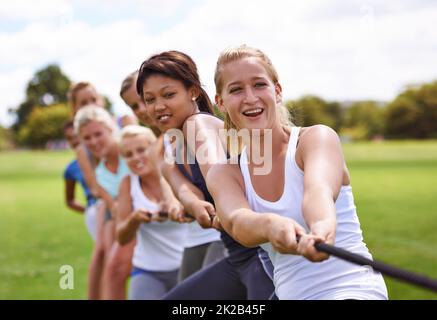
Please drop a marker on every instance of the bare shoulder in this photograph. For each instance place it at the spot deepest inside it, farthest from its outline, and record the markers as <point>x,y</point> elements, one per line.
<point>310,137</point>
<point>316,139</point>
<point>318,132</point>
<point>220,175</point>
<point>125,182</point>
<point>205,120</point>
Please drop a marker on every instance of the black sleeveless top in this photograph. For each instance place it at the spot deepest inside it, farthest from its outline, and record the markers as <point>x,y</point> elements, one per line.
<point>237,252</point>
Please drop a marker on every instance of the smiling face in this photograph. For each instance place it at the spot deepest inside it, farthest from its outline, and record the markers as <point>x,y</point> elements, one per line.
<point>133,100</point>
<point>134,151</point>
<point>97,138</point>
<point>248,94</point>
<point>168,102</point>
<point>85,96</point>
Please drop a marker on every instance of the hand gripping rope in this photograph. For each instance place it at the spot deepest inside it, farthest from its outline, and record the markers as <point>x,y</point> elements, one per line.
<point>384,268</point>
<point>391,271</point>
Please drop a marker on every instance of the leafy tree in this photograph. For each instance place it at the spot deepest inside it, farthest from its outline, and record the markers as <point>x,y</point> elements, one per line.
<point>47,87</point>
<point>413,114</point>
<point>44,124</point>
<point>310,110</point>
<point>365,119</point>
<point>5,139</point>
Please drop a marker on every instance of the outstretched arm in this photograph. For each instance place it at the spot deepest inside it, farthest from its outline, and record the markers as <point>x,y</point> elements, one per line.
<point>87,170</point>
<point>128,221</point>
<point>320,156</point>
<point>189,195</point>
<point>70,186</point>
<point>243,224</point>
<point>208,145</point>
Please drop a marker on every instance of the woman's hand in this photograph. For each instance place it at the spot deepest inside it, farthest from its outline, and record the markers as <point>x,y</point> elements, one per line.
<point>203,212</point>
<point>283,233</point>
<point>321,231</point>
<point>143,216</point>
<point>175,211</point>
<point>216,224</point>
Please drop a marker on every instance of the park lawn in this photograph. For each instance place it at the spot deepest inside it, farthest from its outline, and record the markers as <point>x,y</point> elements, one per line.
<point>394,183</point>
<point>37,232</point>
<point>395,189</point>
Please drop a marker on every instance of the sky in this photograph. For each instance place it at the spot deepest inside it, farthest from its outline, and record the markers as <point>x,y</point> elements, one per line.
<point>336,49</point>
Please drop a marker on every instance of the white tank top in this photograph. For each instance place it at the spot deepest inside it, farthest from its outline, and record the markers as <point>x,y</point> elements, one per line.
<point>196,235</point>
<point>295,277</point>
<point>160,245</point>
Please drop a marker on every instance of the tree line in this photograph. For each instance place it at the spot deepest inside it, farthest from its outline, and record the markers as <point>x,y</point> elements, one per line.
<point>411,115</point>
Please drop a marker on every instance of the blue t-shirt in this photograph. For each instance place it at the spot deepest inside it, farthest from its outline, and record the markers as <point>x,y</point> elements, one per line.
<point>72,172</point>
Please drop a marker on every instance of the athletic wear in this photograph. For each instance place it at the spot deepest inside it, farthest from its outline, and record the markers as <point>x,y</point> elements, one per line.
<point>228,280</point>
<point>150,285</point>
<point>200,244</point>
<point>160,245</point>
<point>199,257</point>
<point>246,273</point>
<point>295,277</point>
<point>91,220</point>
<point>72,172</point>
<point>158,253</point>
<point>197,235</point>
<point>111,181</point>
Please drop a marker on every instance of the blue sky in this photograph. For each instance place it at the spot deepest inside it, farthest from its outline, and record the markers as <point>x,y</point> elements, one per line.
<point>338,49</point>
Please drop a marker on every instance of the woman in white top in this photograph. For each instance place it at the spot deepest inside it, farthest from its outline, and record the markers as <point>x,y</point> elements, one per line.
<point>305,194</point>
<point>160,242</point>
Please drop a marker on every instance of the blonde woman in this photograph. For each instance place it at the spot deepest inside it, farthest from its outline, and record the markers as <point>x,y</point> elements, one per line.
<point>97,131</point>
<point>306,194</point>
<point>160,242</point>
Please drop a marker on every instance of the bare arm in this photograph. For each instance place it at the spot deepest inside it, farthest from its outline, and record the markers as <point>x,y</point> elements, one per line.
<point>127,221</point>
<point>208,146</point>
<point>320,156</point>
<point>189,195</point>
<point>109,201</point>
<point>172,205</point>
<point>243,224</point>
<point>87,170</point>
<point>70,186</point>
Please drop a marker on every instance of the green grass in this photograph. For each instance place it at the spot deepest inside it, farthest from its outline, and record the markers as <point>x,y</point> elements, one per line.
<point>37,232</point>
<point>394,183</point>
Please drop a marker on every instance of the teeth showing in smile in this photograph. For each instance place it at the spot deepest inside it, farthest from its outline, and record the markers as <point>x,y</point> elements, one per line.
<point>163,117</point>
<point>253,112</point>
<point>140,165</point>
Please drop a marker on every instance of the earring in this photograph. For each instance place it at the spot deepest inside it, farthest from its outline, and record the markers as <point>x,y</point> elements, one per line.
<point>194,98</point>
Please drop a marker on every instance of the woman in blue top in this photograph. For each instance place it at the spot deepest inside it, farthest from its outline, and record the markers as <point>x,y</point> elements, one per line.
<point>169,85</point>
<point>72,176</point>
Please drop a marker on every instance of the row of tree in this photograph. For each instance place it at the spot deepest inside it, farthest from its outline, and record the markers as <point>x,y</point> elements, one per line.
<point>412,114</point>
<point>41,116</point>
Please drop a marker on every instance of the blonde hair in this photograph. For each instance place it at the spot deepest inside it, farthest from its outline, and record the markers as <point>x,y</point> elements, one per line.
<point>128,82</point>
<point>240,52</point>
<point>133,130</point>
<point>90,113</point>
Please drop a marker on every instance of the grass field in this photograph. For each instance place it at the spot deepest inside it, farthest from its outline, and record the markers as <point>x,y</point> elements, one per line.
<point>394,183</point>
